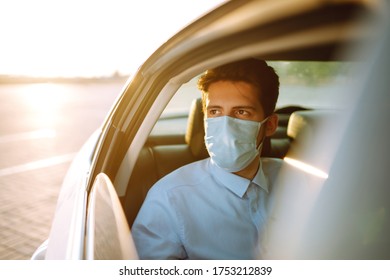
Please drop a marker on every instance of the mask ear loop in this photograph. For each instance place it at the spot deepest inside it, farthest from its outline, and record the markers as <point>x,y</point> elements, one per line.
<point>259,147</point>
<point>262,140</point>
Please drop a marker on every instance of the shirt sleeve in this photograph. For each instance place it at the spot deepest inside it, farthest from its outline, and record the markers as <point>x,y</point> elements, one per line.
<point>155,230</point>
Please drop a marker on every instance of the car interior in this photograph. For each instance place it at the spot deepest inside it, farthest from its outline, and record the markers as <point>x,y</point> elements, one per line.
<point>163,153</point>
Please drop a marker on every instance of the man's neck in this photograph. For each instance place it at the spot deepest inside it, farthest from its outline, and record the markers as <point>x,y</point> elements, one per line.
<point>251,170</point>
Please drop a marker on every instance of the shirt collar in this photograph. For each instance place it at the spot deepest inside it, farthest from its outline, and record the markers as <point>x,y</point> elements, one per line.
<point>238,185</point>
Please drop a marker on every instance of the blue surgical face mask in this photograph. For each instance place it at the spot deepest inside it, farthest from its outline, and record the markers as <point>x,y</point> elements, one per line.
<point>231,142</point>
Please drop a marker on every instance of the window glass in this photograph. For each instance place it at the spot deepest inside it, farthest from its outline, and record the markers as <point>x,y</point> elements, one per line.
<point>317,85</point>
<point>181,101</point>
<point>306,83</point>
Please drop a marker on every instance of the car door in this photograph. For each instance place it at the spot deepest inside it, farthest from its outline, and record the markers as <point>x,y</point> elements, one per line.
<point>107,232</point>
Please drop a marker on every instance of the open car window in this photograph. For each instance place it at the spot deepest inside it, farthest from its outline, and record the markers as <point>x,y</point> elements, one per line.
<point>313,84</point>
<point>305,84</point>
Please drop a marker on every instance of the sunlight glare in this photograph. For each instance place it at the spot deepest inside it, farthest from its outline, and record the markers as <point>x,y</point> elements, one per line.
<point>306,168</point>
<point>44,97</point>
<point>44,102</point>
<point>53,38</point>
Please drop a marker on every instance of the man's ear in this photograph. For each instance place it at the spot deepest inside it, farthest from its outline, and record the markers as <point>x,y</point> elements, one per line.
<point>271,124</point>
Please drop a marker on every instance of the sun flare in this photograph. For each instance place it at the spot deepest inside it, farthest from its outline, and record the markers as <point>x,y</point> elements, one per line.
<point>53,38</point>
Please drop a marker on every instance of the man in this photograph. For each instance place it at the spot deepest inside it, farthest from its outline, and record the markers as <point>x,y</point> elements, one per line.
<point>217,208</point>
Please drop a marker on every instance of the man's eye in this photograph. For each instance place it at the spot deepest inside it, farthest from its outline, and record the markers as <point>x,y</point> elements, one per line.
<point>242,112</point>
<point>213,112</point>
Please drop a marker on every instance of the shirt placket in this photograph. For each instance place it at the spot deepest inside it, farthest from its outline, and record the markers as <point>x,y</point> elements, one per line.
<point>256,205</point>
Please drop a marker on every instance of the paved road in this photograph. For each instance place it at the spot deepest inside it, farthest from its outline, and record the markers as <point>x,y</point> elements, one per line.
<point>42,127</point>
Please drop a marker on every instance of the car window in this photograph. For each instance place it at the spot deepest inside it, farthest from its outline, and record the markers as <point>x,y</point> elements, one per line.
<point>174,118</point>
<point>311,84</point>
<point>181,101</point>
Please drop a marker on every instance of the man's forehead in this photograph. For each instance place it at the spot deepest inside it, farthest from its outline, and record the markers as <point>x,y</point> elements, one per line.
<point>233,90</point>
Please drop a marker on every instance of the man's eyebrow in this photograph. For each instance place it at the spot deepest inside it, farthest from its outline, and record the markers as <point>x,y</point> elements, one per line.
<point>213,106</point>
<point>239,107</point>
<point>245,107</point>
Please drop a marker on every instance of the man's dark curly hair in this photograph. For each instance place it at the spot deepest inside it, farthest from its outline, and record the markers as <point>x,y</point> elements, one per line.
<point>253,71</point>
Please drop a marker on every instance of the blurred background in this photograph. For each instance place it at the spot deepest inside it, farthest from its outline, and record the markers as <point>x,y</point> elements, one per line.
<point>62,65</point>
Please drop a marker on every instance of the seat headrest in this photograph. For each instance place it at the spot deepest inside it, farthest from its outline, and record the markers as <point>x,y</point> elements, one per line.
<point>195,130</point>
<point>314,134</point>
<point>309,122</point>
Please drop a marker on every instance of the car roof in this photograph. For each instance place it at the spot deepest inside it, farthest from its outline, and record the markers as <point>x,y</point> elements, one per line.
<point>333,25</point>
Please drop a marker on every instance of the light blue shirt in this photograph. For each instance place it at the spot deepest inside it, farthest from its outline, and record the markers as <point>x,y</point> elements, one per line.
<point>201,211</point>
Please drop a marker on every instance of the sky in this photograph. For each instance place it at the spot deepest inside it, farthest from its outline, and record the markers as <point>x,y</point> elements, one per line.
<point>69,38</point>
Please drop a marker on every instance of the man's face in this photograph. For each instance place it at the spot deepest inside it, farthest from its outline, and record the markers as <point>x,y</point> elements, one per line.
<point>234,99</point>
